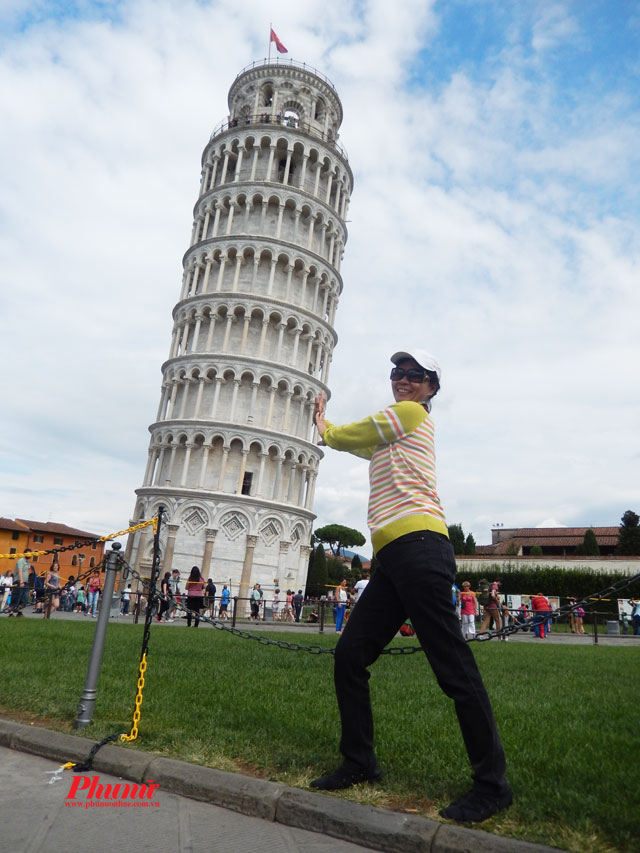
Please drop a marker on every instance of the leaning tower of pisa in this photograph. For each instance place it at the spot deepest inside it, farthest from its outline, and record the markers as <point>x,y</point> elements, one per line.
<point>233,455</point>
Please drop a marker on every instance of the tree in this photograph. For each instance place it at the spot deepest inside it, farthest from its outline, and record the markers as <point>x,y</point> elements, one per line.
<point>589,547</point>
<point>336,571</point>
<point>356,568</point>
<point>629,535</point>
<point>338,537</point>
<point>535,551</point>
<point>470,544</point>
<point>456,537</point>
<point>373,566</point>
<point>317,576</point>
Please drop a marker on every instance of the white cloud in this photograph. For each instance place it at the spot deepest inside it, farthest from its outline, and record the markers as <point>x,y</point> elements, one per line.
<point>486,224</point>
<point>553,26</point>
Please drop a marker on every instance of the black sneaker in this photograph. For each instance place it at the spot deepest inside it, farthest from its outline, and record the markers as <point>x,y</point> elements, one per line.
<point>476,806</point>
<point>343,777</point>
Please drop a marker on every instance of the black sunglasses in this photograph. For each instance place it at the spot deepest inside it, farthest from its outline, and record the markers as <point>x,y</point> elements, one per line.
<point>414,374</point>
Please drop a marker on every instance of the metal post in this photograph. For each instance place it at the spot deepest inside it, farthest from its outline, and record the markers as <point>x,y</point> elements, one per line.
<point>235,610</point>
<point>595,629</point>
<point>323,601</point>
<point>155,569</point>
<point>88,698</point>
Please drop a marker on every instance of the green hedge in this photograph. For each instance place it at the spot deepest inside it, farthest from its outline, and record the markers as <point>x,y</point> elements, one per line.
<point>552,580</point>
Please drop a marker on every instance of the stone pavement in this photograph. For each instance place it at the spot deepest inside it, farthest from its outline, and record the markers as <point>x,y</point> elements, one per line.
<point>37,817</point>
<point>198,808</point>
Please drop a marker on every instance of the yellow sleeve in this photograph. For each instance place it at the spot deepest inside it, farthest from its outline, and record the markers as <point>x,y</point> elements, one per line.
<point>362,437</point>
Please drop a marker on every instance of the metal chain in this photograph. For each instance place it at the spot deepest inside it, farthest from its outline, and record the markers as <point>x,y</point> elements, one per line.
<point>393,650</point>
<point>142,668</point>
<point>88,764</point>
<point>221,626</point>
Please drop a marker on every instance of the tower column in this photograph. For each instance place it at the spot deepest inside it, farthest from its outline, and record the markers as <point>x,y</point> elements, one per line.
<point>210,536</point>
<point>203,465</point>
<point>171,546</point>
<point>247,564</point>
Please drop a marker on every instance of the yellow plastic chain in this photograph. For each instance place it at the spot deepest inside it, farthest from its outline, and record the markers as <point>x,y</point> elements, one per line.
<point>153,521</point>
<point>133,734</point>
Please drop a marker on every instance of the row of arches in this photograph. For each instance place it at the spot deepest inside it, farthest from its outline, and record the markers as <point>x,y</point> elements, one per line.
<point>262,271</point>
<point>274,215</point>
<point>249,329</point>
<point>280,160</point>
<point>241,466</point>
<point>230,541</point>
<point>237,396</point>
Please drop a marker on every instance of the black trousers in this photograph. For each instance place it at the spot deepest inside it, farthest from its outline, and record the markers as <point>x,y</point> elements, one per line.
<point>413,580</point>
<point>194,606</point>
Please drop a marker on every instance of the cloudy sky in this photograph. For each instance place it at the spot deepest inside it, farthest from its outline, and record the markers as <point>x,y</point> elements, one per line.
<point>494,221</point>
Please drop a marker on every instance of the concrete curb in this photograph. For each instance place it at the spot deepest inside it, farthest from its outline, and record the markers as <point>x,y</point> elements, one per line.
<point>379,829</point>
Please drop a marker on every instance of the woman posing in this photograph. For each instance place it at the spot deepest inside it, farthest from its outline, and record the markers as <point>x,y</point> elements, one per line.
<point>416,568</point>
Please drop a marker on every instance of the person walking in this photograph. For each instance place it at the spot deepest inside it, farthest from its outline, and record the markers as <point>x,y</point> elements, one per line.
<point>298,601</point>
<point>125,601</point>
<point>541,608</point>
<point>165,597</point>
<point>195,593</point>
<point>492,608</point>
<point>6,582</point>
<point>225,595</point>
<point>341,604</point>
<point>210,592</point>
<point>275,606</point>
<point>20,588</point>
<point>93,593</point>
<point>416,569</point>
<point>360,586</point>
<point>174,590</point>
<point>38,592</point>
<point>287,616</point>
<point>469,611</point>
<point>52,590</point>
<point>254,601</point>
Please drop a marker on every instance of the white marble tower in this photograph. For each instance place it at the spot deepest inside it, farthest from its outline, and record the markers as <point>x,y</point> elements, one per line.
<point>233,454</point>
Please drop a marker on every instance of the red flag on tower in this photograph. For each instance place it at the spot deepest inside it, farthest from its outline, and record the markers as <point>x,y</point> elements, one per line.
<point>279,46</point>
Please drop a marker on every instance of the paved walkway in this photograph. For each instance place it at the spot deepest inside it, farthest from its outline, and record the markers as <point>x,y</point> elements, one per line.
<point>198,808</point>
<point>310,631</point>
<point>37,817</point>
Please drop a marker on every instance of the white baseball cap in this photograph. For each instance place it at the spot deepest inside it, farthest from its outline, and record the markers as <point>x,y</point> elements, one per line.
<point>424,359</point>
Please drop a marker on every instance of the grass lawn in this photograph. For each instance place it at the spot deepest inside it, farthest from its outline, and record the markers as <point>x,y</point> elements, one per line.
<point>567,716</point>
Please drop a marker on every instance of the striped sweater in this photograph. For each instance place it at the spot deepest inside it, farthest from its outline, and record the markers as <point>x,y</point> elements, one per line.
<point>402,473</point>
